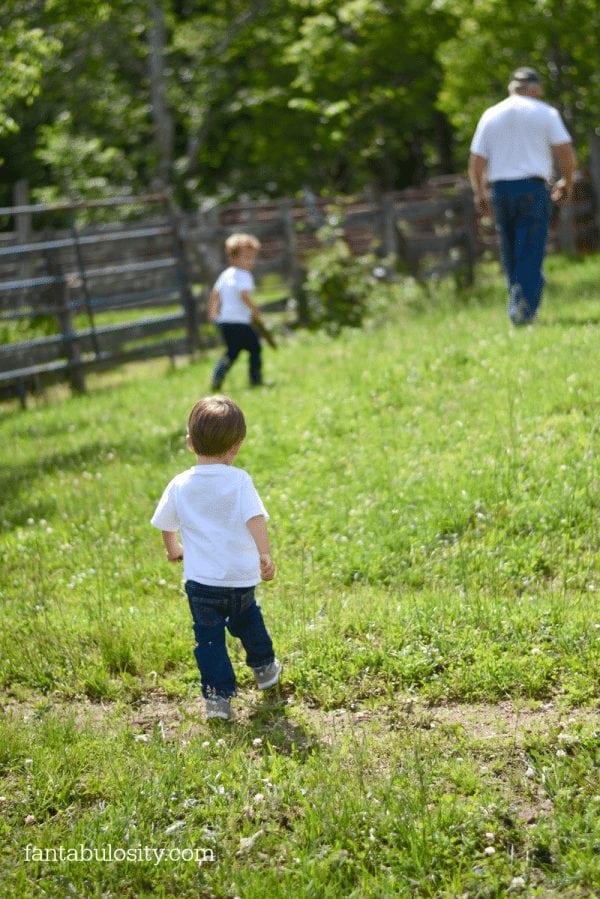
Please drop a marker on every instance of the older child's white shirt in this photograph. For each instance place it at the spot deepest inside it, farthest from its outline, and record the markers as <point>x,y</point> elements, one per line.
<point>230,284</point>
<point>210,505</point>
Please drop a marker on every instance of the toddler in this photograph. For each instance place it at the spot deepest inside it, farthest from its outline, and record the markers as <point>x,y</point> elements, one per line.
<point>216,510</point>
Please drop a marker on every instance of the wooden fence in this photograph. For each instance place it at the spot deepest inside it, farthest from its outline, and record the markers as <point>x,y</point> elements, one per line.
<point>116,292</point>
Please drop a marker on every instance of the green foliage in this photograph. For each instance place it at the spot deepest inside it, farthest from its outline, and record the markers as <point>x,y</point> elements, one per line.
<point>341,288</point>
<point>333,288</point>
<point>339,96</point>
<point>25,51</point>
<point>493,38</point>
<point>81,167</point>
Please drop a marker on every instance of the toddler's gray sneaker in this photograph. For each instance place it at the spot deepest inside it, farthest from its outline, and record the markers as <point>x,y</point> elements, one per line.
<point>268,675</point>
<point>218,707</point>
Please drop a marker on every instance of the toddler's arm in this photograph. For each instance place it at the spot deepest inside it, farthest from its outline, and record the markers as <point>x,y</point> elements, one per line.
<point>258,529</point>
<point>173,546</point>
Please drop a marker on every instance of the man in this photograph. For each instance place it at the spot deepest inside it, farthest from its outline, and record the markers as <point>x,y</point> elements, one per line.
<point>514,149</point>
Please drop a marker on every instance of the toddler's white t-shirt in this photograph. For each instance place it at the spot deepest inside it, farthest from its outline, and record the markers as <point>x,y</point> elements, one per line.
<point>230,284</point>
<point>210,505</point>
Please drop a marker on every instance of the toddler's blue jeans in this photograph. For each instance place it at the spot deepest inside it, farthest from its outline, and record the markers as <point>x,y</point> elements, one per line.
<point>522,211</point>
<point>235,608</point>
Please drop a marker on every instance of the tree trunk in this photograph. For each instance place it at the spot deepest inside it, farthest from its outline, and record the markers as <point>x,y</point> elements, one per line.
<point>163,122</point>
<point>595,172</point>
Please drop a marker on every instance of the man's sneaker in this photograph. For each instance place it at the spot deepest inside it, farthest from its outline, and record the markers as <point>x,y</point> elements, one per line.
<point>268,675</point>
<point>218,707</point>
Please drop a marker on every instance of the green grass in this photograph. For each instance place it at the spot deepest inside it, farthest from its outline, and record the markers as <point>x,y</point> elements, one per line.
<point>432,483</point>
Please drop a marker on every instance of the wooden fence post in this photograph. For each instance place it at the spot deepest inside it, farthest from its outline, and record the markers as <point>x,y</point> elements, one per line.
<point>58,296</point>
<point>294,268</point>
<point>470,227</point>
<point>183,277</point>
<point>595,171</point>
<point>567,238</point>
<point>23,226</point>
<point>389,232</point>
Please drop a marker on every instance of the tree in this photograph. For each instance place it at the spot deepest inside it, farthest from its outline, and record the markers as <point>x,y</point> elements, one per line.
<point>24,52</point>
<point>561,39</point>
<point>368,73</point>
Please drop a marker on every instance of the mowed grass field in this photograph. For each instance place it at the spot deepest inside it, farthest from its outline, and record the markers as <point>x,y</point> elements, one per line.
<point>432,482</point>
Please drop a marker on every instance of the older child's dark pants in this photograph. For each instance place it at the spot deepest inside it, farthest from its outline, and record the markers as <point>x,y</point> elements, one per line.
<point>239,337</point>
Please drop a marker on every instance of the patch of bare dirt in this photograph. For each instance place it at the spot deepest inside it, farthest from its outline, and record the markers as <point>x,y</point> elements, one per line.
<point>504,722</point>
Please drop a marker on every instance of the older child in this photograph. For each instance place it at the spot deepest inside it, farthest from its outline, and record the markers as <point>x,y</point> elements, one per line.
<point>225,551</point>
<point>231,307</point>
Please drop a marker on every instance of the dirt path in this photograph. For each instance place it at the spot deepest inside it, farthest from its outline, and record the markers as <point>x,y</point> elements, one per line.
<point>506,721</point>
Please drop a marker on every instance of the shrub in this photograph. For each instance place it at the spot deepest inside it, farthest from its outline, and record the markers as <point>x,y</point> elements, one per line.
<point>339,287</point>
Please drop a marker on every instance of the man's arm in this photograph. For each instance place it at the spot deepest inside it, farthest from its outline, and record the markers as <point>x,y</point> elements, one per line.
<point>258,530</point>
<point>478,179</point>
<point>566,161</point>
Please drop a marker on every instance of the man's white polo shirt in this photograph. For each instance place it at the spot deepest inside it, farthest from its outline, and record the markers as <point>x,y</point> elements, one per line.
<point>516,137</point>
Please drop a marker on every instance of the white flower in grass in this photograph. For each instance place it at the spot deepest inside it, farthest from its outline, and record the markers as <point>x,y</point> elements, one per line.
<point>257,741</point>
<point>246,843</point>
<point>489,850</point>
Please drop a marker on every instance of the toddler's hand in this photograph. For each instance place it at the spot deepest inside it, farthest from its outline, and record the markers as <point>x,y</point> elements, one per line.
<point>176,554</point>
<point>267,567</point>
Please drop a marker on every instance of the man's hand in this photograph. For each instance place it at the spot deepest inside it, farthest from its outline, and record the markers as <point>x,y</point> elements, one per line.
<point>483,204</point>
<point>267,567</point>
<point>561,191</point>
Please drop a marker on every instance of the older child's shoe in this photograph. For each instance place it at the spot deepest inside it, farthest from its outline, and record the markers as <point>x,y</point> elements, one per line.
<point>218,707</point>
<point>267,675</point>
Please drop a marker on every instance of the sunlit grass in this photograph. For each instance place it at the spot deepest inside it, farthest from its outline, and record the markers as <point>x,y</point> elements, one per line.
<point>432,483</point>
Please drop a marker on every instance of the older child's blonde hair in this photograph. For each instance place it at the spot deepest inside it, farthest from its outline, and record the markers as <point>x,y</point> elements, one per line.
<point>237,242</point>
<point>215,425</point>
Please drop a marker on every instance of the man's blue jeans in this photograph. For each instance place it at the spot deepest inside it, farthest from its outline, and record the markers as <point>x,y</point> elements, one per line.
<point>235,608</point>
<point>522,211</point>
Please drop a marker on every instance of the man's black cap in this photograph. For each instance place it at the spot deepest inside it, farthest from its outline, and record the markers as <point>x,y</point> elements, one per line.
<point>526,75</point>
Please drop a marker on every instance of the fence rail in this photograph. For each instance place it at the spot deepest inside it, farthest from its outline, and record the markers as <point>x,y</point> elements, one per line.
<point>155,259</point>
